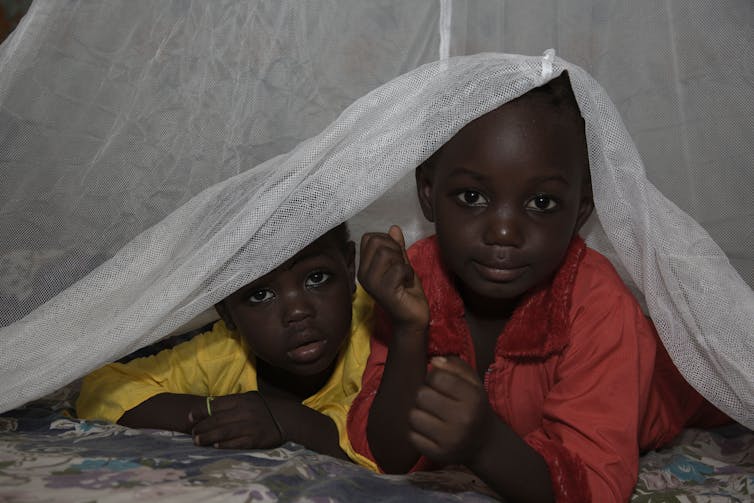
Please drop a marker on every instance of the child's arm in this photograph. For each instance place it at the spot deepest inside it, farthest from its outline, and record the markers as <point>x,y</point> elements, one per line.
<point>453,423</point>
<point>248,421</point>
<point>159,391</point>
<point>166,411</point>
<point>384,271</point>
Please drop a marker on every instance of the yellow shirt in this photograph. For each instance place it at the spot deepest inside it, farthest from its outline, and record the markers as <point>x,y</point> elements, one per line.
<point>216,363</point>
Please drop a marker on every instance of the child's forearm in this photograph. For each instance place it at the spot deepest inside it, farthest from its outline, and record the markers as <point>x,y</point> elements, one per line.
<point>166,411</point>
<point>511,467</point>
<point>306,426</point>
<point>388,424</point>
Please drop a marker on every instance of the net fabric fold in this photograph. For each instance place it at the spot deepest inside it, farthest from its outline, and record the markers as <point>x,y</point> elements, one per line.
<point>240,228</point>
<point>114,113</point>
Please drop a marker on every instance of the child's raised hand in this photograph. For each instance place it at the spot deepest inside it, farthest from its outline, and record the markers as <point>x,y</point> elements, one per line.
<point>452,416</point>
<point>240,421</point>
<point>385,272</point>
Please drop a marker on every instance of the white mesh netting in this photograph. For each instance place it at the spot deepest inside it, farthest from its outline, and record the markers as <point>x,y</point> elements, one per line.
<point>103,253</point>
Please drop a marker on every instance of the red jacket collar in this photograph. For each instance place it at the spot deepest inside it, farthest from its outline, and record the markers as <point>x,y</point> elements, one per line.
<point>538,328</point>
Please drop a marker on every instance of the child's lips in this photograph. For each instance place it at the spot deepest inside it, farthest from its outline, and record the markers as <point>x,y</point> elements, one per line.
<point>499,273</point>
<point>308,352</point>
<point>307,345</point>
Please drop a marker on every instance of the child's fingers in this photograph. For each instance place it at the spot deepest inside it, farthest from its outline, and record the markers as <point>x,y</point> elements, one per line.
<point>210,406</point>
<point>374,242</point>
<point>371,242</point>
<point>243,433</point>
<point>234,417</point>
<point>436,412</point>
<point>226,403</point>
<point>381,256</point>
<point>398,258</point>
<point>431,401</point>
<point>197,415</point>
<point>224,411</point>
<point>457,388</point>
<point>221,429</point>
<point>366,248</point>
<point>203,409</point>
<point>397,275</point>
<point>425,445</point>
<point>209,423</point>
<point>429,434</point>
<point>456,366</point>
<point>425,423</point>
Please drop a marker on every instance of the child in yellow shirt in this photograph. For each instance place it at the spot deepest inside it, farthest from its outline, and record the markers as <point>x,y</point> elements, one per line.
<point>283,364</point>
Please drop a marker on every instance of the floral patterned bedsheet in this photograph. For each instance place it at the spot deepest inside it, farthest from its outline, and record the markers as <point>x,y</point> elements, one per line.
<point>702,466</point>
<point>47,455</point>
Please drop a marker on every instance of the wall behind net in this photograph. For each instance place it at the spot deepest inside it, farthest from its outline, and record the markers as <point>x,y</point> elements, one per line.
<point>114,113</point>
<point>680,72</point>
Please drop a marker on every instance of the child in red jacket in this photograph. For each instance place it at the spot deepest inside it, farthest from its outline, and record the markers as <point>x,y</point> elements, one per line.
<point>510,347</point>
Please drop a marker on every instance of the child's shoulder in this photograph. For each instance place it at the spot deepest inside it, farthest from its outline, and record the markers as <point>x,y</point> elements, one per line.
<point>363,305</point>
<point>217,342</point>
<point>362,320</point>
<point>220,336</point>
<point>604,313</point>
<point>425,243</point>
<point>598,282</point>
<point>599,264</point>
<point>424,255</point>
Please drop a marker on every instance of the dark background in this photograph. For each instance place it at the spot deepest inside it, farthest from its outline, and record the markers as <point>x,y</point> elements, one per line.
<point>11,12</point>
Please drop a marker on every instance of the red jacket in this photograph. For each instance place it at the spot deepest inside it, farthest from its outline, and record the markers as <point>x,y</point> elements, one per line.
<point>579,373</point>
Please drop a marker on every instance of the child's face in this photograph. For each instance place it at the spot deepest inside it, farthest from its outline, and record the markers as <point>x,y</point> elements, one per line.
<point>507,193</point>
<point>296,317</point>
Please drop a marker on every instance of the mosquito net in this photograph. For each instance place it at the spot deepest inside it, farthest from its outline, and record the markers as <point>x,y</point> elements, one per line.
<point>152,164</point>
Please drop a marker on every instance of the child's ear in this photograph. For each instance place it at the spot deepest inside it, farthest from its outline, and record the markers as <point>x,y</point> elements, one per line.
<point>424,180</point>
<point>350,256</point>
<point>222,310</point>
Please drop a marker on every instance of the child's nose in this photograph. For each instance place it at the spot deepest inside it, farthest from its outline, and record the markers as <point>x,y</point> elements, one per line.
<point>502,228</point>
<point>296,307</point>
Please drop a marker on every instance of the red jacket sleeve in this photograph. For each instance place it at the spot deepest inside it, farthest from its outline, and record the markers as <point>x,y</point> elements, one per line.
<point>592,415</point>
<point>358,415</point>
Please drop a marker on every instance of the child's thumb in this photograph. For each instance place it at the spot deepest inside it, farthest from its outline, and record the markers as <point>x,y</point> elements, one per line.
<point>457,366</point>
<point>396,233</point>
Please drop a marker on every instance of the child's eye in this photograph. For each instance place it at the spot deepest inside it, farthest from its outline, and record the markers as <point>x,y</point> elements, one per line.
<point>261,295</point>
<point>471,198</point>
<point>317,278</point>
<point>542,202</point>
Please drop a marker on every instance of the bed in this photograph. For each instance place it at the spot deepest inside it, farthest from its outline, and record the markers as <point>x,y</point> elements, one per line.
<point>48,455</point>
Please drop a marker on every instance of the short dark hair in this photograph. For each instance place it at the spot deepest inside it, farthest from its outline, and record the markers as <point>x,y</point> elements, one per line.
<point>340,234</point>
<point>557,93</point>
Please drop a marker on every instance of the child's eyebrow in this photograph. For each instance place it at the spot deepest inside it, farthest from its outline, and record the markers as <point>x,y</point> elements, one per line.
<point>301,258</point>
<point>285,266</point>
<point>314,255</point>
<point>551,178</point>
<point>462,171</point>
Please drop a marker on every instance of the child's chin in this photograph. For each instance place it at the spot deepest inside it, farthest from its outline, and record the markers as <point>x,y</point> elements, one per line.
<point>313,368</point>
<point>495,291</point>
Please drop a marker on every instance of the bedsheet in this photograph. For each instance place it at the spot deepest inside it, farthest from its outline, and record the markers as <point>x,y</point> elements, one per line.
<point>48,455</point>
